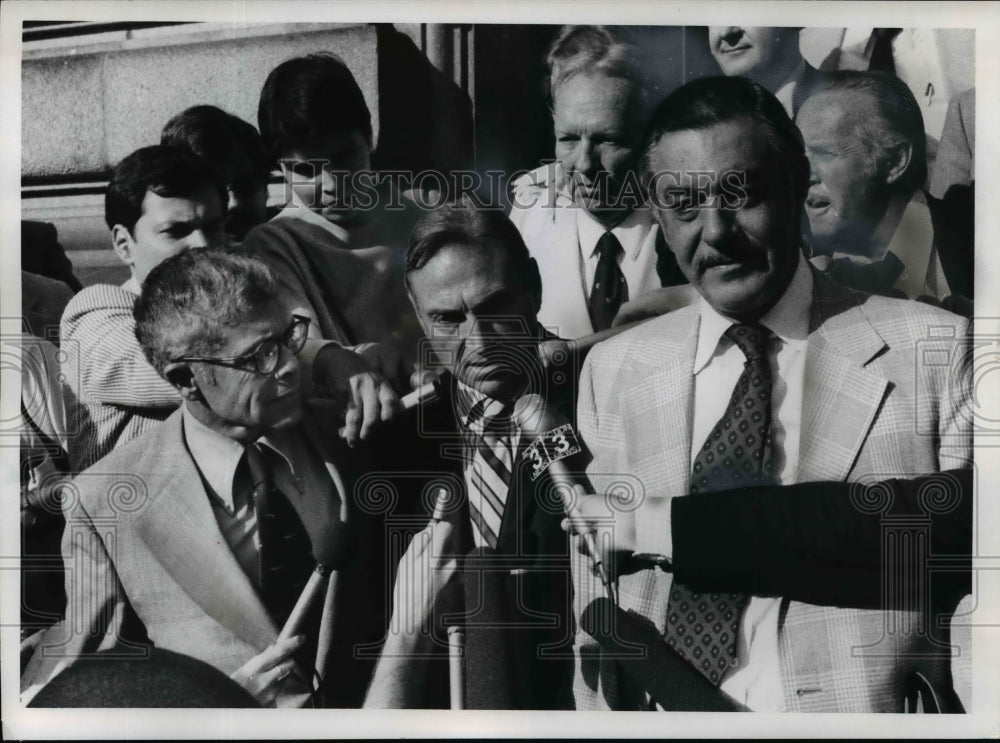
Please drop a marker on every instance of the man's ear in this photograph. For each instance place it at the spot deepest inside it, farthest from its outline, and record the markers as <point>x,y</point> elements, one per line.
<point>898,159</point>
<point>123,244</point>
<point>181,376</point>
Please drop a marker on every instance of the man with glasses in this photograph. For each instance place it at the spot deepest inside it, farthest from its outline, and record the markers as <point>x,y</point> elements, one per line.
<point>210,548</point>
<point>162,201</point>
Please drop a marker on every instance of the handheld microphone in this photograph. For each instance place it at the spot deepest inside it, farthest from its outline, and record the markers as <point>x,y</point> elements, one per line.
<point>493,684</point>
<point>553,440</point>
<point>639,650</point>
<point>332,551</point>
<point>425,393</point>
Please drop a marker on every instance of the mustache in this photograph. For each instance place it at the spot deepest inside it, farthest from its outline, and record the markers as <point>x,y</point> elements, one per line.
<point>733,251</point>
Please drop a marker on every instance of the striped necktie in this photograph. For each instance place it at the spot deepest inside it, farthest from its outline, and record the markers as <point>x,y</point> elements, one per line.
<point>488,472</point>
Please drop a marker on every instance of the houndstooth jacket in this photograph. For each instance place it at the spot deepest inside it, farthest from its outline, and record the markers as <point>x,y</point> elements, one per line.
<point>887,394</point>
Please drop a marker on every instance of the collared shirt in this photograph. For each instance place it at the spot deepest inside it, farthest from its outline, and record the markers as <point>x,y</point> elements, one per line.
<point>505,447</point>
<point>756,679</point>
<point>133,286</point>
<point>297,472</point>
<point>632,232</point>
<point>913,243</point>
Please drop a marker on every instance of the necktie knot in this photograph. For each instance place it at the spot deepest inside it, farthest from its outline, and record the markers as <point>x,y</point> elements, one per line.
<point>751,339</point>
<point>608,247</point>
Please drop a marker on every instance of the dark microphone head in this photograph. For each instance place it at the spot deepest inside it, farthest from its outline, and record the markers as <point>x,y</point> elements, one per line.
<point>534,416</point>
<point>490,679</point>
<point>335,546</point>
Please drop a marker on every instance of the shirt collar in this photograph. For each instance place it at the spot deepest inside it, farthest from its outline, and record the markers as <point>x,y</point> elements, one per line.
<point>132,286</point>
<point>216,456</point>
<point>788,319</point>
<point>631,232</point>
<point>474,400</point>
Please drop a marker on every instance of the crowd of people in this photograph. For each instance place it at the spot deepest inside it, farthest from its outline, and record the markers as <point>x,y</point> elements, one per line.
<point>687,383</point>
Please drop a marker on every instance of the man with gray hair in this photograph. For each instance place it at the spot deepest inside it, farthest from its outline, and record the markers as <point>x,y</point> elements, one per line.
<point>583,217</point>
<point>865,141</point>
<point>195,537</point>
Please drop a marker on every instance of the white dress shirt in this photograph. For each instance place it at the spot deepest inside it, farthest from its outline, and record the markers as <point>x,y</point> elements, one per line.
<point>297,472</point>
<point>756,679</point>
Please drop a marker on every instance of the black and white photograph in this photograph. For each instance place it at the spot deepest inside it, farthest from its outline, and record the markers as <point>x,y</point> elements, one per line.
<point>447,370</point>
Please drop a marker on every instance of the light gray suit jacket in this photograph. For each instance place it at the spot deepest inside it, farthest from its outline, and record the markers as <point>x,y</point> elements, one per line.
<point>142,543</point>
<point>887,394</point>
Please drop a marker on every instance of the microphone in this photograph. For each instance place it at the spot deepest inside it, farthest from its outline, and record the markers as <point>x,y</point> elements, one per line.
<point>425,393</point>
<point>656,667</point>
<point>492,685</point>
<point>332,551</point>
<point>553,440</point>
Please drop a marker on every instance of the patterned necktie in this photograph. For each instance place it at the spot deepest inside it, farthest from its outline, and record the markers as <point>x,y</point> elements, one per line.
<point>489,441</point>
<point>610,289</point>
<point>285,555</point>
<point>703,627</point>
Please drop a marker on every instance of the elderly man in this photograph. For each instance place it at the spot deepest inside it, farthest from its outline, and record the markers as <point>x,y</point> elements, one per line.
<point>582,217</point>
<point>160,202</point>
<point>864,138</point>
<point>195,537</point>
<point>827,384</point>
<point>770,57</point>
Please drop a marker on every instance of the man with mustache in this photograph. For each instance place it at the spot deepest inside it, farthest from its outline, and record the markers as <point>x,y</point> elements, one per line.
<point>775,376</point>
<point>770,57</point>
<point>582,217</point>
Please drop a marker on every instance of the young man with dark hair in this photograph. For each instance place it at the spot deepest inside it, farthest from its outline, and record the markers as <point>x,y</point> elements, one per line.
<point>236,151</point>
<point>160,202</point>
<point>338,244</point>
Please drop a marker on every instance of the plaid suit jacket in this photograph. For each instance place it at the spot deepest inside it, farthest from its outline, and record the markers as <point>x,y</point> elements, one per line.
<point>887,394</point>
<point>146,562</point>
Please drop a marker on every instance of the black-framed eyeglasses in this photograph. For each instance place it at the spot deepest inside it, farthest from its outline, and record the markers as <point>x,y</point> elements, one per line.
<point>264,358</point>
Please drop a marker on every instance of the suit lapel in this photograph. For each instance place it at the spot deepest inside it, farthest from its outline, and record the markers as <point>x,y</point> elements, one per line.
<point>657,415</point>
<point>180,530</point>
<point>842,394</point>
<point>560,266</point>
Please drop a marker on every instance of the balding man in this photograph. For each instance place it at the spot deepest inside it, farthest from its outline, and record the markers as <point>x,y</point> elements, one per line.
<point>583,217</point>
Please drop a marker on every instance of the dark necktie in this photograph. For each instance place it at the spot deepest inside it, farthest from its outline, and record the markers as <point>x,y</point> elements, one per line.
<point>703,627</point>
<point>285,556</point>
<point>609,290</point>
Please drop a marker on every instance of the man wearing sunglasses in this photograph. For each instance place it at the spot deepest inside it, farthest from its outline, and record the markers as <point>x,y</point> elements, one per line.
<point>210,550</point>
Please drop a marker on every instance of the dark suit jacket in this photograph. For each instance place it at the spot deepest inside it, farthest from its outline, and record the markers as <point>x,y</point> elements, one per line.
<point>42,254</point>
<point>533,556</point>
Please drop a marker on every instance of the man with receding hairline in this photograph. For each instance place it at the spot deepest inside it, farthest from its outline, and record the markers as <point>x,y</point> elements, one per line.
<point>774,376</point>
<point>583,217</point>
